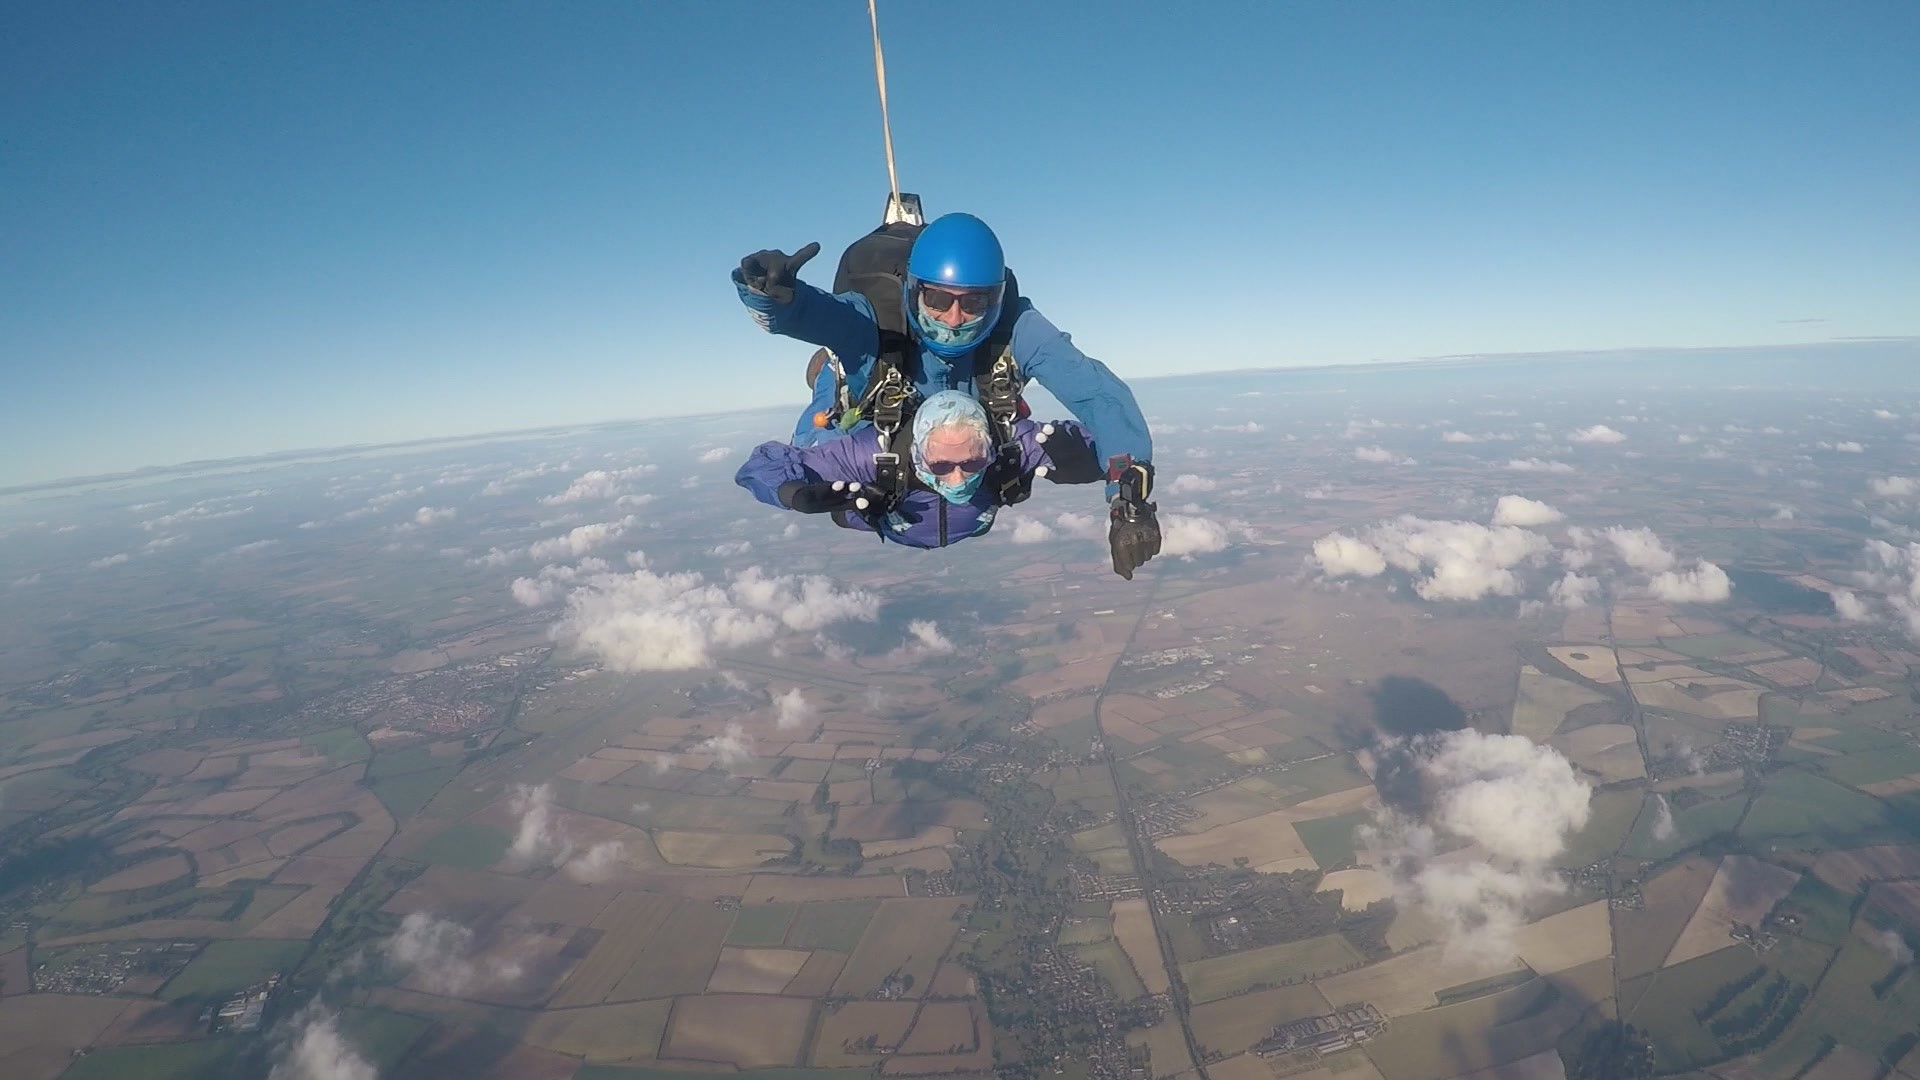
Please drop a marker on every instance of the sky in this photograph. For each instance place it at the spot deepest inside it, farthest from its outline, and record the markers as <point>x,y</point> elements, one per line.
<point>235,228</point>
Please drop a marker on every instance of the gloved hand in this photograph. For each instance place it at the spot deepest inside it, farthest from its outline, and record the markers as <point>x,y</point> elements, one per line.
<point>1070,459</point>
<point>823,497</point>
<point>1133,535</point>
<point>771,273</point>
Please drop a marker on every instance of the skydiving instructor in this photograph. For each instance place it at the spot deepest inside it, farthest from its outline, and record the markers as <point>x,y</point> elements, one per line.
<point>960,314</point>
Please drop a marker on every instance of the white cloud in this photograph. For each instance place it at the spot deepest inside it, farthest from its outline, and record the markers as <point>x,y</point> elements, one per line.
<point>1524,512</point>
<point>1461,560</point>
<point>1782,512</point>
<point>318,1051</point>
<point>1598,434</point>
<point>161,542</point>
<point>581,540</point>
<point>1248,428</point>
<point>1538,465</point>
<point>1516,801</point>
<point>1641,549</point>
<point>1081,526</point>
<point>1894,487</point>
<point>428,515</point>
<point>539,838</point>
<point>438,954</point>
<point>599,484</point>
<point>1187,483</point>
<point>110,560</point>
<point>1850,607</point>
<point>1340,555</point>
<point>718,453</point>
<point>24,581</point>
<point>791,709</point>
<point>644,621</point>
<point>1663,819</point>
<point>1893,945</point>
<point>1457,437</point>
<point>248,549</point>
<point>1573,591</point>
<point>204,510</point>
<point>598,862</point>
<point>547,586</point>
<point>1849,448</point>
<point>729,748</point>
<point>1882,414</point>
<point>924,637</point>
<point>1181,535</point>
<point>1380,455</point>
<point>732,549</point>
<point>1704,584</point>
<point>1029,531</point>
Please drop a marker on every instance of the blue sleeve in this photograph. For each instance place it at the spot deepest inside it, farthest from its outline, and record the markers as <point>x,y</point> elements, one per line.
<point>1084,385</point>
<point>842,322</point>
<point>775,463</point>
<point>804,431</point>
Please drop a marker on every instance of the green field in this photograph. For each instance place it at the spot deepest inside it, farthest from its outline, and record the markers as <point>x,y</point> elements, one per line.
<point>466,846</point>
<point>760,924</point>
<point>1330,839</point>
<point>834,925</point>
<point>226,966</point>
<point>1873,766</point>
<point>1845,1009</point>
<point>1086,931</point>
<point>1611,819</point>
<point>1665,1011</point>
<point>1691,826</point>
<point>341,745</point>
<point>1828,911</point>
<point>630,1072</point>
<point>1098,837</point>
<point>382,1037</point>
<point>167,1061</point>
<point>1108,959</point>
<point>1803,809</point>
<point>1478,1034</point>
<point>1322,777</point>
<point>1224,976</point>
<point>1714,646</point>
<point>406,794</point>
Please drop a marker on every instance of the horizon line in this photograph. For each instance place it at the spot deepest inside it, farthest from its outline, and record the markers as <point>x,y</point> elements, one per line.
<point>310,452</point>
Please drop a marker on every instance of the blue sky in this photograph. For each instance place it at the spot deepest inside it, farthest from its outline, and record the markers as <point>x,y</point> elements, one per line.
<point>241,227</point>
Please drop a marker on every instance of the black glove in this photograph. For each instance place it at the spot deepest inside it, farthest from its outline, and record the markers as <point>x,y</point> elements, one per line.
<point>771,273</point>
<point>824,497</point>
<point>1134,534</point>
<point>1070,458</point>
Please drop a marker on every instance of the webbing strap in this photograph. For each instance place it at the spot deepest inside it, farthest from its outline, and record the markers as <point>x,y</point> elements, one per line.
<point>886,126</point>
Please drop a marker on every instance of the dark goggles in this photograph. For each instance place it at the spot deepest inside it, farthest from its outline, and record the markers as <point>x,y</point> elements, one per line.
<point>969,466</point>
<point>972,301</point>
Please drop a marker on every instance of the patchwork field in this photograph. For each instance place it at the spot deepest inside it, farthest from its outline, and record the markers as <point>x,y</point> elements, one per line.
<point>1223,976</point>
<point>746,1030</point>
<point>1133,928</point>
<point>1646,936</point>
<point>755,971</point>
<point>1234,1024</point>
<point>1743,890</point>
<point>603,1033</point>
<point>905,937</point>
<point>1544,702</point>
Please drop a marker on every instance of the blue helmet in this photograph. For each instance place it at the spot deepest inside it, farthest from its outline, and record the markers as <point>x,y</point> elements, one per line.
<point>955,260</point>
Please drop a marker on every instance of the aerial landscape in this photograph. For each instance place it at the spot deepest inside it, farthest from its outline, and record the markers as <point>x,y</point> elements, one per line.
<point>1459,719</point>
<point>893,540</point>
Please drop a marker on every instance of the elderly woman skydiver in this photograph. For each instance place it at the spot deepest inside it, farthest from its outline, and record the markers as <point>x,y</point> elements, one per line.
<point>939,499</point>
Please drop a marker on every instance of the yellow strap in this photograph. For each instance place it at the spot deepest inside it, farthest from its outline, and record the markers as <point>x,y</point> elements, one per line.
<point>886,126</point>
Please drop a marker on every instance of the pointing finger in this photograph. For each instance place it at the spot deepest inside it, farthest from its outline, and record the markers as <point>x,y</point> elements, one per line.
<point>800,257</point>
